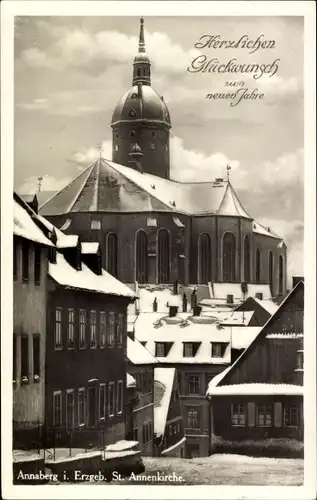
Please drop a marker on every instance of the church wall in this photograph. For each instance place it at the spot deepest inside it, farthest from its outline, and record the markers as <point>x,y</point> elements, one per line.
<point>267,244</point>
<point>153,141</point>
<point>125,226</point>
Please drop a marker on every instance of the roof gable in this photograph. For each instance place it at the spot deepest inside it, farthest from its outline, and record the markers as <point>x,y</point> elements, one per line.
<point>286,323</point>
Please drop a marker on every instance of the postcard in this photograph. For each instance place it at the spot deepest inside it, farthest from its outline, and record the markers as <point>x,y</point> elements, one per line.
<point>159,286</point>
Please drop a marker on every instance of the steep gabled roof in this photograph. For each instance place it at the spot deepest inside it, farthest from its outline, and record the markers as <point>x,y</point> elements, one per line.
<point>27,224</point>
<point>231,205</point>
<point>266,332</point>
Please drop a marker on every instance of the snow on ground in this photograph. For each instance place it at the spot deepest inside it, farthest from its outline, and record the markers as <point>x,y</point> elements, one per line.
<point>221,469</point>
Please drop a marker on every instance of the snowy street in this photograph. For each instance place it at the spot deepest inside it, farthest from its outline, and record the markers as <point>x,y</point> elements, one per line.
<point>225,469</point>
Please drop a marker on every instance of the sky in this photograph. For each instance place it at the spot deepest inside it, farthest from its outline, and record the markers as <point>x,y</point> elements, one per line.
<point>71,71</point>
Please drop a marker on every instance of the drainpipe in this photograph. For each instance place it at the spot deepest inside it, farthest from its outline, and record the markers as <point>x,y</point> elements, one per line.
<point>209,424</point>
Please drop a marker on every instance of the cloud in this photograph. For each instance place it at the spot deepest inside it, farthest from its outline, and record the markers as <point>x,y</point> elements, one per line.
<point>49,183</point>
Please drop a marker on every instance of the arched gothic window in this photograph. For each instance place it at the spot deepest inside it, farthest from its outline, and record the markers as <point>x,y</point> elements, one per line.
<point>229,257</point>
<point>163,256</point>
<point>112,254</point>
<point>204,258</point>
<point>271,271</point>
<point>258,266</point>
<point>141,248</point>
<point>281,274</point>
<point>247,259</point>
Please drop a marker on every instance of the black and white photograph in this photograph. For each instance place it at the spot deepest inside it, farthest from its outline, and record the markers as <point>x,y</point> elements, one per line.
<point>159,250</point>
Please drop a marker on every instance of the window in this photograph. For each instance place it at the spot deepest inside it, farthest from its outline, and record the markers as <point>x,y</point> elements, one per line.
<point>37,265</point>
<point>265,413</point>
<point>170,429</point>
<point>163,256</point>
<point>238,415</point>
<point>82,329</point>
<point>25,259</point>
<point>188,350</point>
<point>36,356</point>
<point>258,266</point>
<point>153,133</point>
<point>132,133</point>
<point>111,330</point>
<point>193,384</point>
<point>15,259</point>
<point>247,260</point>
<point>14,361</point>
<point>57,409</point>
<point>116,148</point>
<point>139,382</point>
<point>24,358</point>
<point>70,408</point>
<point>102,401</point>
<point>120,328</point>
<point>291,416</point>
<point>136,434</point>
<point>52,255</point>
<point>111,400</point>
<point>119,396</point>
<point>95,224</point>
<point>280,274</point>
<point>81,406</point>
<point>58,328</point>
<point>218,349</point>
<point>92,404</point>
<point>141,257</point>
<point>160,349</point>
<point>152,146</point>
<point>93,339</point>
<point>112,254</point>
<point>229,257</point>
<point>193,419</point>
<point>300,360</point>
<point>103,320</point>
<point>71,329</point>
<point>204,258</point>
<point>271,268</point>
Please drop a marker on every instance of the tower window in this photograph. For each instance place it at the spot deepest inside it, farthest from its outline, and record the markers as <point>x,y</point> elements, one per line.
<point>116,147</point>
<point>163,255</point>
<point>152,146</point>
<point>117,135</point>
<point>153,134</point>
<point>134,96</point>
<point>132,133</point>
<point>228,258</point>
<point>132,113</point>
<point>204,255</point>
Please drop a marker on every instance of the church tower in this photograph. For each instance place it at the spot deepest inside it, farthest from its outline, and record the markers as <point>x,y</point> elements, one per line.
<point>141,122</point>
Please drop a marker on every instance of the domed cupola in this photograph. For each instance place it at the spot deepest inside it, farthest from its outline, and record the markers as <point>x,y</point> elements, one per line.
<point>142,117</point>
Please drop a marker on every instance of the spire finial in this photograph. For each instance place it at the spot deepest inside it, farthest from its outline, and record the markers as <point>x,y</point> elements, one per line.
<point>39,185</point>
<point>228,171</point>
<point>100,149</point>
<point>141,36</point>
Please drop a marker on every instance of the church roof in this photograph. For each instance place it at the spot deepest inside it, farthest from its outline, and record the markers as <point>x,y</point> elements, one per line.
<point>105,186</point>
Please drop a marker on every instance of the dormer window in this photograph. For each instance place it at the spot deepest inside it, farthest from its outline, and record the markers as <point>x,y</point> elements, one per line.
<point>160,349</point>
<point>190,349</point>
<point>218,349</point>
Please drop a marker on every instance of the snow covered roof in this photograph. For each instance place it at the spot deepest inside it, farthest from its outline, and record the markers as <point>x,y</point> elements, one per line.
<point>265,332</point>
<point>221,290</point>
<point>105,186</point>
<point>137,354</point>
<point>88,247</point>
<point>163,385</point>
<point>122,445</point>
<point>260,229</point>
<point>24,225</point>
<point>233,317</point>
<point>270,306</point>
<point>64,274</point>
<point>255,389</point>
<point>241,337</point>
<point>174,446</point>
<point>131,382</point>
<point>63,240</point>
<point>155,328</point>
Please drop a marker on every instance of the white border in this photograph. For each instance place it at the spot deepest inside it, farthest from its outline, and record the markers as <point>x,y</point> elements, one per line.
<point>153,8</point>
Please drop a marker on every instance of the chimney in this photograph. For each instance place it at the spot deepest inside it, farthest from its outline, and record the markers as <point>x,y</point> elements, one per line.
<point>184,303</point>
<point>193,299</point>
<point>197,311</point>
<point>259,295</point>
<point>229,299</point>
<point>296,279</point>
<point>175,288</point>
<point>155,305</point>
<point>244,287</point>
<point>173,311</point>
